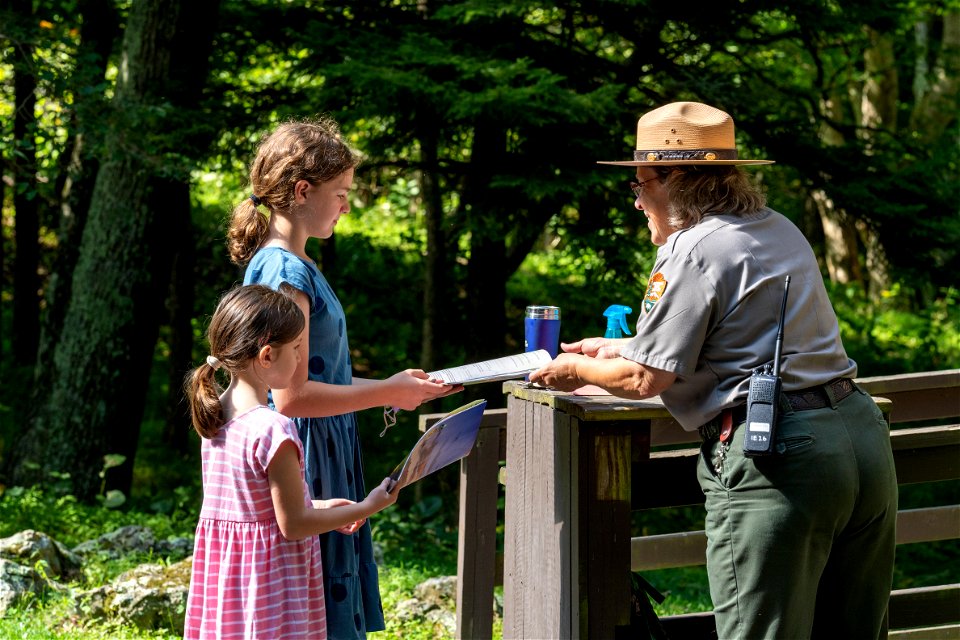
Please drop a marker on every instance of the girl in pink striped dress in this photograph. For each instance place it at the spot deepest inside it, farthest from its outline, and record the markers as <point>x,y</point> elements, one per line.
<point>256,563</point>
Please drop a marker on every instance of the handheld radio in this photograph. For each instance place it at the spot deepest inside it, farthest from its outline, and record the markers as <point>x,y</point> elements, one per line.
<point>763,399</point>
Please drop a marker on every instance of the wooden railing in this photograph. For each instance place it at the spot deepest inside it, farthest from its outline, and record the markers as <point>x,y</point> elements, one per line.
<point>656,447</point>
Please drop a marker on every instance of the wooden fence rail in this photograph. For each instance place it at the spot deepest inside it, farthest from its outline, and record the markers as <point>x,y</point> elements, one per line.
<point>577,466</point>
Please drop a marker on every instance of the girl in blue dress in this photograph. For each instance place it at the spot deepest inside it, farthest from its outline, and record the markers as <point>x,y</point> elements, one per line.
<point>300,180</point>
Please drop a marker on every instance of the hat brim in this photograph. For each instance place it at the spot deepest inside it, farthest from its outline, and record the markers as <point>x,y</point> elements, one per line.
<point>674,163</point>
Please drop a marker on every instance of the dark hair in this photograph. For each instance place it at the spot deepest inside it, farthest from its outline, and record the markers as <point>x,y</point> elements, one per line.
<point>247,318</point>
<point>697,191</point>
<point>311,150</point>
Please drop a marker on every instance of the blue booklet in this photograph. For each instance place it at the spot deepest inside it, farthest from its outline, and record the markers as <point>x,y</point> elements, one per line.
<point>448,440</point>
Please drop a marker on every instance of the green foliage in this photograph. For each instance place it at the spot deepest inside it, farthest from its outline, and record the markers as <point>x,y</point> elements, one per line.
<point>111,498</point>
<point>927,564</point>
<point>685,589</point>
<point>897,335</point>
<point>380,289</point>
<point>582,279</point>
<point>397,583</point>
<point>417,545</point>
<point>52,616</point>
<point>66,519</point>
<point>425,521</point>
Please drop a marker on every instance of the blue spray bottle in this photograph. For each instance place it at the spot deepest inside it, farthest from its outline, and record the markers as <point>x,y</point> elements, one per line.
<point>616,315</point>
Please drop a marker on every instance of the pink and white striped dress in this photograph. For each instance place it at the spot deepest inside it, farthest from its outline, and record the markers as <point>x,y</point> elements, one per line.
<point>248,580</point>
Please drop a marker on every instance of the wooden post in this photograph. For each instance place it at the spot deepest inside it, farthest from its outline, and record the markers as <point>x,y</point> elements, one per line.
<point>477,546</point>
<point>540,563</point>
<point>567,522</point>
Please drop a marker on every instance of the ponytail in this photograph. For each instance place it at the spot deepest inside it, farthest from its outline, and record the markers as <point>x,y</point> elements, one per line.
<point>248,230</point>
<point>246,319</point>
<point>203,393</point>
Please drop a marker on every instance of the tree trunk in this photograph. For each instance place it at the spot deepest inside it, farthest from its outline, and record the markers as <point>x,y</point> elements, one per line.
<point>435,272</point>
<point>103,357</point>
<point>102,363</point>
<point>936,100</point>
<point>189,58</point>
<point>189,65</point>
<point>159,235</point>
<point>97,32</point>
<point>75,205</point>
<point>26,281</point>
<point>180,305</point>
<point>881,86</point>
<point>839,234</point>
<point>839,238</point>
<point>486,271</point>
<point>878,113</point>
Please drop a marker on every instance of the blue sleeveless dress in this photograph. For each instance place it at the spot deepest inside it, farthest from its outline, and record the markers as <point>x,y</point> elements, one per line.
<point>331,447</point>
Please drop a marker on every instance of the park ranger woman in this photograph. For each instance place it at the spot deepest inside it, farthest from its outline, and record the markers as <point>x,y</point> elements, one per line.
<point>800,542</point>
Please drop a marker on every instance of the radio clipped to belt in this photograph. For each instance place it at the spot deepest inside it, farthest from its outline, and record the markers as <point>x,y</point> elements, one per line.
<point>763,398</point>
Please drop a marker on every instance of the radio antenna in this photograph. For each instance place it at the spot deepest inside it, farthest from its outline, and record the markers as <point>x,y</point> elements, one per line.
<point>779,346</point>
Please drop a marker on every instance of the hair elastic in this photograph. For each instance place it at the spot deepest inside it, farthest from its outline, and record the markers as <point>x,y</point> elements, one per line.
<point>214,362</point>
<point>256,201</point>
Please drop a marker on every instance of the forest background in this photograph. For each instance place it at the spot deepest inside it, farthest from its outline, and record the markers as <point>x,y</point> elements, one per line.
<point>127,129</point>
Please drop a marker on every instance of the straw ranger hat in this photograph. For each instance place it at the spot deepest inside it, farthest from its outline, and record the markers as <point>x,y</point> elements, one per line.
<point>685,133</point>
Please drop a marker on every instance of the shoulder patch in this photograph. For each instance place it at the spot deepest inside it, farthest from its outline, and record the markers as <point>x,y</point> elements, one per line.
<point>655,289</point>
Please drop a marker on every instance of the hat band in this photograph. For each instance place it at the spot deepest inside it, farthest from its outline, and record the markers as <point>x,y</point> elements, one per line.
<point>695,154</point>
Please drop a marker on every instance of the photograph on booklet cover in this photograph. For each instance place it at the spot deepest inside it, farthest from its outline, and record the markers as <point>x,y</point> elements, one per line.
<point>448,440</point>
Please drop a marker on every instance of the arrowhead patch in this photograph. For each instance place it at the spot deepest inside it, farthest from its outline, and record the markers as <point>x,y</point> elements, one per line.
<point>655,290</point>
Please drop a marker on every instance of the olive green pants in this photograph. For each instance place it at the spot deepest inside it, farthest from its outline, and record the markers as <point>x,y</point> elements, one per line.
<point>801,544</point>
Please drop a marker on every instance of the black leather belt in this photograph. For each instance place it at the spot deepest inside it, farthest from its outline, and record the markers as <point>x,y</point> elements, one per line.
<point>804,400</point>
<point>819,397</point>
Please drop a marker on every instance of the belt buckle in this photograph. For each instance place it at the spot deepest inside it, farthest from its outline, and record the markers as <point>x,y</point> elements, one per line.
<point>838,389</point>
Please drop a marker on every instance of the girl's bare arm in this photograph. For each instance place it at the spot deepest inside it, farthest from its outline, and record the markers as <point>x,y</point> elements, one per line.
<point>308,398</point>
<point>299,520</point>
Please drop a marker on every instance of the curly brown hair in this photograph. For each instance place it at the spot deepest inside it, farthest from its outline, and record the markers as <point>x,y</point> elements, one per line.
<point>311,150</point>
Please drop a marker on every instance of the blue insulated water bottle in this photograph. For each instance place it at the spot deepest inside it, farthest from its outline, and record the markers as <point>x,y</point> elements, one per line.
<point>541,329</point>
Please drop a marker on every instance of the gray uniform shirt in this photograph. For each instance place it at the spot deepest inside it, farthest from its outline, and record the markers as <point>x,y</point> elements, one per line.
<point>711,308</point>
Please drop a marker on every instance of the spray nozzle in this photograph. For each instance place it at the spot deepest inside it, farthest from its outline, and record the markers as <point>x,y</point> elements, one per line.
<point>616,315</point>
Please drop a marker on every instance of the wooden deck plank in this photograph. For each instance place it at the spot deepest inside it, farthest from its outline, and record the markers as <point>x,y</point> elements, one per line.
<point>923,437</point>
<point>919,381</point>
<point>689,548</point>
<point>928,395</point>
<point>943,632</point>
<point>936,608</point>
<point>925,606</point>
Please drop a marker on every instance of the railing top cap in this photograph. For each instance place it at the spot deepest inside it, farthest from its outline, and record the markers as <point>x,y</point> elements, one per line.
<point>589,408</point>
